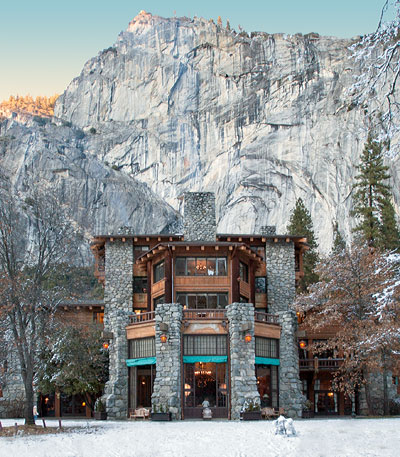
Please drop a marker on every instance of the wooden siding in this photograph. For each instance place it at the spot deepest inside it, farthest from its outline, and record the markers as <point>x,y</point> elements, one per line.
<point>267,330</point>
<point>143,330</point>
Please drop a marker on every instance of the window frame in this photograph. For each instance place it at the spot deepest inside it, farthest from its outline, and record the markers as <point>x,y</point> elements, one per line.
<point>156,267</point>
<point>206,270</point>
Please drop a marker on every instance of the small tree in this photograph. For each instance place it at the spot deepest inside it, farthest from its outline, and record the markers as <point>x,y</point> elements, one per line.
<point>372,199</point>
<point>300,223</point>
<point>338,241</point>
<point>357,295</point>
<point>28,304</point>
<point>74,361</point>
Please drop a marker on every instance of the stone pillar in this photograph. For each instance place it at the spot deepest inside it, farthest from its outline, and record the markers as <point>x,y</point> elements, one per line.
<point>290,391</point>
<point>167,385</point>
<point>118,296</point>
<point>13,400</point>
<point>242,357</point>
<point>280,261</point>
<point>199,219</point>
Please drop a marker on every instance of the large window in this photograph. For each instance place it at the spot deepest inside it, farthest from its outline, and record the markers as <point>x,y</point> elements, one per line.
<point>202,300</point>
<point>141,348</point>
<point>244,272</point>
<point>200,266</point>
<point>139,284</point>
<point>267,347</point>
<point>267,384</point>
<point>159,271</point>
<point>204,345</point>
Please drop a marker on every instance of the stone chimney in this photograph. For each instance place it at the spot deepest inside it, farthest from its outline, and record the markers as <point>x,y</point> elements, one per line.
<point>268,230</point>
<point>199,216</point>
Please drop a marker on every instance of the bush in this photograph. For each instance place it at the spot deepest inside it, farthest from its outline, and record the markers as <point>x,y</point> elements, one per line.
<point>92,130</point>
<point>394,406</point>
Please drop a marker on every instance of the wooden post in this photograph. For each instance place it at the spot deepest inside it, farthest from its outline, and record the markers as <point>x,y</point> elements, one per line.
<point>59,424</point>
<point>44,423</point>
<point>168,278</point>
<point>252,285</point>
<point>149,285</point>
<point>235,284</point>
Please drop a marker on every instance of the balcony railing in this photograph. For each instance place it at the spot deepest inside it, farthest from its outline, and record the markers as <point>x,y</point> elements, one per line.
<point>201,314</point>
<point>320,364</point>
<point>142,317</point>
<point>259,316</point>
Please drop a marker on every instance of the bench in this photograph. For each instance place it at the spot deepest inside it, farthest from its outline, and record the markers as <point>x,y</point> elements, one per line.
<point>139,413</point>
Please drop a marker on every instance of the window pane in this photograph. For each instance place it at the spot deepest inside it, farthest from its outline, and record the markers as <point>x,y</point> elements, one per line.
<point>139,250</point>
<point>212,301</point>
<point>221,267</point>
<point>222,300</point>
<point>181,298</point>
<point>139,285</point>
<point>260,285</point>
<point>180,266</point>
<point>142,347</point>
<point>244,275</point>
<point>201,267</point>
<point>192,301</point>
<point>201,301</point>
<point>159,272</point>
<point>191,266</point>
<point>211,267</point>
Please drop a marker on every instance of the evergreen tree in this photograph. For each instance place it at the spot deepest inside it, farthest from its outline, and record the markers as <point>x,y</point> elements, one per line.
<point>372,199</point>
<point>300,223</point>
<point>339,243</point>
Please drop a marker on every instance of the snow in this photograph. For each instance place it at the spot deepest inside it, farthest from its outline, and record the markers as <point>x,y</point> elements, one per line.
<point>315,437</point>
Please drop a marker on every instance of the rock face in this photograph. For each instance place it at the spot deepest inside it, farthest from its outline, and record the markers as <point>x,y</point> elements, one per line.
<point>185,105</point>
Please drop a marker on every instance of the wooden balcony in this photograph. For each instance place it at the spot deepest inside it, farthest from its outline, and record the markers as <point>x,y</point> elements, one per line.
<point>204,314</point>
<point>316,364</point>
<point>141,317</point>
<point>260,316</point>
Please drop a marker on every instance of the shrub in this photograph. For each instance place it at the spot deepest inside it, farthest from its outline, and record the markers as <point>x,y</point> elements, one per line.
<point>92,130</point>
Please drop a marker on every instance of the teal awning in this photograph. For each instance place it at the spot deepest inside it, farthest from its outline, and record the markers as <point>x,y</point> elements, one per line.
<point>266,361</point>
<point>205,358</point>
<point>139,362</point>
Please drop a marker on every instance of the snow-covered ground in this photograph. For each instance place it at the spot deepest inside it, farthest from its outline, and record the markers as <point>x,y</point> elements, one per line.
<point>315,437</point>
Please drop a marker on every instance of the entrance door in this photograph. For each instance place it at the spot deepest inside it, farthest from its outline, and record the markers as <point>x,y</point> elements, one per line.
<point>144,383</point>
<point>326,403</point>
<point>205,382</point>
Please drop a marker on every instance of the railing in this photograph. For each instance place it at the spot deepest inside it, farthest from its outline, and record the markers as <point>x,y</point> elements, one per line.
<point>142,317</point>
<point>265,317</point>
<point>319,364</point>
<point>204,314</point>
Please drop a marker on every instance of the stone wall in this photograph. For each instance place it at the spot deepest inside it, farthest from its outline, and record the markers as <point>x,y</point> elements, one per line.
<point>118,295</point>
<point>242,356</point>
<point>199,219</point>
<point>13,399</point>
<point>290,392</point>
<point>280,262</point>
<point>167,385</point>
<point>375,390</point>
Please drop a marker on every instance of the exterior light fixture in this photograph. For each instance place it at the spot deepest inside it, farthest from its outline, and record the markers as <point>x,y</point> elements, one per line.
<point>330,394</point>
<point>247,337</point>
<point>163,338</point>
<point>106,345</point>
<point>303,344</point>
<point>83,403</point>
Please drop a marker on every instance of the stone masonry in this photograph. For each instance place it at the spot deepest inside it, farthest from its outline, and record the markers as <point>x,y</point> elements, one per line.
<point>242,355</point>
<point>13,399</point>
<point>167,385</point>
<point>280,262</point>
<point>290,392</point>
<point>199,221</point>
<point>118,295</point>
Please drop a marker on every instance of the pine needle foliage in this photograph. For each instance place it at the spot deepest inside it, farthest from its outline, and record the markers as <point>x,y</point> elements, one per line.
<point>372,199</point>
<point>300,223</point>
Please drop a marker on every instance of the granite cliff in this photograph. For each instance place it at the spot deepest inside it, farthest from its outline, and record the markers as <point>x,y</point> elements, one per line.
<point>184,104</point>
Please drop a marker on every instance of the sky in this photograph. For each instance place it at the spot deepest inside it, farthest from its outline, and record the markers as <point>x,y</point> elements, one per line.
<point>45,43</point>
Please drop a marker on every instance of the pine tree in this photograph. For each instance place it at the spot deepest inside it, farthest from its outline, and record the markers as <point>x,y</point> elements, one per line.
<point>338,241</point>
<point>372,199</point>
<point>300,223</point>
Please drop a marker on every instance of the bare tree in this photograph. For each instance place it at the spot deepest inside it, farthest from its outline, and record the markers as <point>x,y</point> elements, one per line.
<point>376,87</point>
<point>358,295</point>
<point>34,236</point>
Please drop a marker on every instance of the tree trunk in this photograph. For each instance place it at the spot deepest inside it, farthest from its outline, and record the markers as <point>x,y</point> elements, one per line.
<point>28,410</point>
<point>385,385</point>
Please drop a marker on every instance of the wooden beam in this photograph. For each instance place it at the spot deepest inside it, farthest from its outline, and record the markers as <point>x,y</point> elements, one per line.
<point>231,248</point>
<point>202,248</point>
<point>187,248</point>
<point>251,238</point>
<point>147,238</point>
<point>287,240</point>
<point>240,239</point>
<point>90,307</point>
<point>123,240</point>
<point>170,238</point>
<point>111,239</point>
<point>173,248</point>
<point>263,239</point>
<point>217,248</point>
<point>228,239</point>
<point>135,239</point>
<point>159,238</point>
<point>275,240</point>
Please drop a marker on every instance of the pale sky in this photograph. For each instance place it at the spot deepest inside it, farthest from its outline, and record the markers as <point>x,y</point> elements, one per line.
<point>45,43</point>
